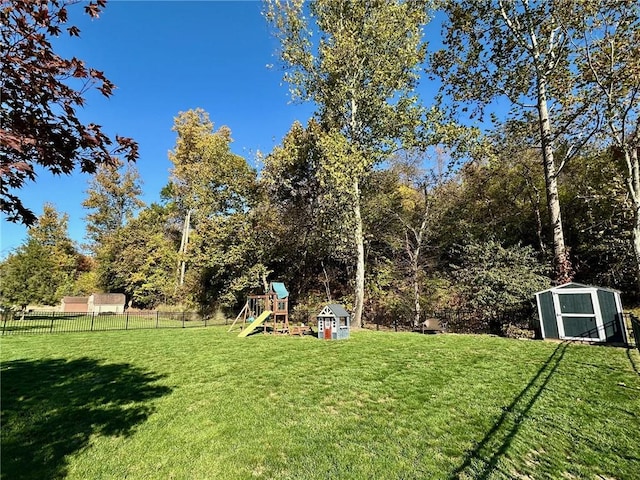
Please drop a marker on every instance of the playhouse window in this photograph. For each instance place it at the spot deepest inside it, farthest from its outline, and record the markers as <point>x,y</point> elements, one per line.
<point>343,321</point>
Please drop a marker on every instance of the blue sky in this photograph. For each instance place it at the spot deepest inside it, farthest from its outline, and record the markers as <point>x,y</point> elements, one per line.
<point>166,57</point>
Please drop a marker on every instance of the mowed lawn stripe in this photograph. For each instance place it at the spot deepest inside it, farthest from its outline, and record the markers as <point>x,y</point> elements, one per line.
<point>204,404</point>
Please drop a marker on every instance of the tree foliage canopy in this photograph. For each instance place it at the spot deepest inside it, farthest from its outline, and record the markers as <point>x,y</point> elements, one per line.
<point>45,267</point>
<point>41,92</point>
<point>353,206</point>
<point>112,198</point>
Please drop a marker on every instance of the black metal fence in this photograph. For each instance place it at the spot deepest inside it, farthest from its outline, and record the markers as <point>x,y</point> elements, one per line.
<point>18,323</point>
<point>522,318</point>
<point>635,330</point>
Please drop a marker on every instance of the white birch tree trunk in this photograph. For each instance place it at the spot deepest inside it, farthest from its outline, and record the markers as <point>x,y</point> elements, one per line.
<point>359,241</point>
<point>562,271</point>
<point>633,186</point>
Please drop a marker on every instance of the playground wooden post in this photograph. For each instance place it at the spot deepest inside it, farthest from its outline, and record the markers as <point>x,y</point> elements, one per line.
<point>276,301</point>
<point>242,312</point>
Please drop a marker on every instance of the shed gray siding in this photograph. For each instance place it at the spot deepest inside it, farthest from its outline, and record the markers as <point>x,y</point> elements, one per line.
<point>580,312</point>
<point>548,314</point>
<point>610,316</point>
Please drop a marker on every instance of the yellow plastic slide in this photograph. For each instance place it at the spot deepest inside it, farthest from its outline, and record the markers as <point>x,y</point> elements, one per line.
<point>255,324</point>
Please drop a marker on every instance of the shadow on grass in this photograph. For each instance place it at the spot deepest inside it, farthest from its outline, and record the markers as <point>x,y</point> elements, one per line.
<point>9,329</point>
<point>51,408</point>
<point>633,363</point>
<point>482,460</point>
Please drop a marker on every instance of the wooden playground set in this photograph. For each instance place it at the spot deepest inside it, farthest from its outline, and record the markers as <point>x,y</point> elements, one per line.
<point>269,312</point>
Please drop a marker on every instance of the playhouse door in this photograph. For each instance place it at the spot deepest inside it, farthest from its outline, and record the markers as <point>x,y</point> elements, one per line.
<point>327,330</point>
<point>578,317</point>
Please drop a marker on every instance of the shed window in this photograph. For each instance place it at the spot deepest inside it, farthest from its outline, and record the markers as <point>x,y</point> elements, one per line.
<point>576,303</point>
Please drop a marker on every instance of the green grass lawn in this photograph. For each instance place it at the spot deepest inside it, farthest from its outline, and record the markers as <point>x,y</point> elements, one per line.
<point>204,404</point>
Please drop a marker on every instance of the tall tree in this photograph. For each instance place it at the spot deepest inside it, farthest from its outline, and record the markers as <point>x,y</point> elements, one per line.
<point>212,189</point>
<point>607,42</point>
<point>144,256</point>
<point>44,268</point>
<point>113,197</point>
<point>361,74</point>
<point>302,221</point>
<point>38,120</point>
<point>420,214</point>
<point>514,49</point>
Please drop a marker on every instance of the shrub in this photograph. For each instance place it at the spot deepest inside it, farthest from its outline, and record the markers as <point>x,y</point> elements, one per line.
<point>497,284</point>
<point>512,331</point>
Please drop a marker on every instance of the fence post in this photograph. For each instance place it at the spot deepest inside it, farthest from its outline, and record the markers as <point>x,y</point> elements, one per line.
<point>53,318</point>
<point>4,325</point>
<point>182,319</point>
<point>157,318</point>
<point>93,314</point>
<point>635,330</point>
<point>126,324</point>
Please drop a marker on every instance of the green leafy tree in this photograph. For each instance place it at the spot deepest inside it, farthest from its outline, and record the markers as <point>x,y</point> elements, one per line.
<point>44,268</point>
<point>607,44</point>
<point>303,224</point>
<point>518,50</point>
<point>51,232</point>
<point>212,190</point>
<point>144,258</point>
<point>361,74</point>
<point>113,199</point>
<point>492,279</point>
<point>27,276</point>
<point>499,195</point>
<point>600,220</point>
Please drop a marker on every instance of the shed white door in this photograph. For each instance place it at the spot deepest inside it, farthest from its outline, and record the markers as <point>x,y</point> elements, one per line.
<point>578,315</point>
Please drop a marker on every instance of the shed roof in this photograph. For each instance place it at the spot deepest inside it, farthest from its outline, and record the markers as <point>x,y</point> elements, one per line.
<point>280,289</point>
<point>571,285</point>
<point>108,298</point>
<point>70,300</point>
<point>335,310</point>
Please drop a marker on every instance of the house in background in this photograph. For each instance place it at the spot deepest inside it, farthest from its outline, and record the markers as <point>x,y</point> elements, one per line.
<point>107,303</point>
<point>75,304</point>
<point>96,303</point>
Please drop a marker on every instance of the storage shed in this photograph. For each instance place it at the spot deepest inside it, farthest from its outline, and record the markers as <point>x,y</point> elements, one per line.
<point>334,322</point>
<point>75,304</point>
<point>106,303</point>
<point>580,312</point>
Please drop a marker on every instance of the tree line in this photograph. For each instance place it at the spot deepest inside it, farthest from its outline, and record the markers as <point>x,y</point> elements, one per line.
<point>382,201</point>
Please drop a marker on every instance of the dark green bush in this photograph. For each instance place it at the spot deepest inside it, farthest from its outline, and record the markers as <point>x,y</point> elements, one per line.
<point>496,284</point>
